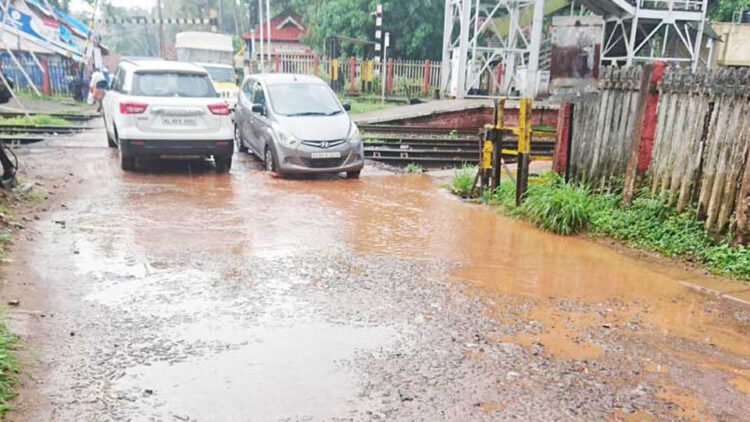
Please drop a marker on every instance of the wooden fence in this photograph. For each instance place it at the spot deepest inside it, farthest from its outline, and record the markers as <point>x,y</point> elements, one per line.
<point>701,142</point>
<point>602,126</point>
<point>684,136</point>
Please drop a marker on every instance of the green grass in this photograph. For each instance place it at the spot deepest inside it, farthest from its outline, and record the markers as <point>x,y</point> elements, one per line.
<point>646,224</point>
<point>9,368</point>
<point>37,119</point>
<point>363,106</point>
<point>413,168</point>
<point>463,179</point>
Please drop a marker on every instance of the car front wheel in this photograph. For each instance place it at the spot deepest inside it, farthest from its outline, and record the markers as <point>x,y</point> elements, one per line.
<point>268,161</point>
<point>353,174</point>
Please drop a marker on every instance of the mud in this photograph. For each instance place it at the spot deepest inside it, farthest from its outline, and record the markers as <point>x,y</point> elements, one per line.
<point>178,294</point>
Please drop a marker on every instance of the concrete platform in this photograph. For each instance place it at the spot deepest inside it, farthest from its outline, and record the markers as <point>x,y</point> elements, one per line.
<point>455,114</point>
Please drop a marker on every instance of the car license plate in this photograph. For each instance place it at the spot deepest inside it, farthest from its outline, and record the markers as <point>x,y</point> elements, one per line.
<point>334,154</point>
<point>177,121</point>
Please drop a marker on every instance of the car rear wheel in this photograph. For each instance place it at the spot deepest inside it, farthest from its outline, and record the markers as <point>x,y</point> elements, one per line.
<point>110,140</point>
<point>223,164</point>
<point>127,162</point>
<point>353,174</point>
<point>238,139</point>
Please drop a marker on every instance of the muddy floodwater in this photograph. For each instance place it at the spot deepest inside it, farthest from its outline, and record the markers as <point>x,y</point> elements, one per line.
<point>178,294</point>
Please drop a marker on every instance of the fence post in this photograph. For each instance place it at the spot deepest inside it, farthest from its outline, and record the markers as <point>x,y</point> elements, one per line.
<point>742,211</point>
<point>649,126</point>
<point>426,78</point>
<point>45,76</point>
<point>389,77</point>
<point>352,73</point>
<point>499,77</point>
<point>561,143</point>
<point>316,63</point>
<point>277,62</point>
<point>632,173</point>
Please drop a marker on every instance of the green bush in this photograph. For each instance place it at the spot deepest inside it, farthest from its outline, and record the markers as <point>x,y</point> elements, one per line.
<point>413,168</point>
<point>463,180</point>
<point>558,207</point>
<point>8,368</point>
<point>37,119</point>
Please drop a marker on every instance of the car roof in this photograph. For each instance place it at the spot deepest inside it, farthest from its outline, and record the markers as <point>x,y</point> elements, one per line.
<point>283,78</point>
<point>168,65</point>
<point>226,66</point>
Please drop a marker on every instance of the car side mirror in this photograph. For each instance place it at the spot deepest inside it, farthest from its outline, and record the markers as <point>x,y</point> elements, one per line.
<point>347,106</point>
<point>259,108</point>
<point>102,85</point>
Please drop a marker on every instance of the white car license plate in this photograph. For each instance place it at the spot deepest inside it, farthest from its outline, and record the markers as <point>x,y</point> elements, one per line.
<point>178,121</point>
<point>334,154</point>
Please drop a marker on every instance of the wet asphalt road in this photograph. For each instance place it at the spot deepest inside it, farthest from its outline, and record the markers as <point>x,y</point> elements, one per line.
<point>178,294</point>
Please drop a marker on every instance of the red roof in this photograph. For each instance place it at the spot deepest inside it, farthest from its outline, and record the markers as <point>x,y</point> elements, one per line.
<point>287,26</point>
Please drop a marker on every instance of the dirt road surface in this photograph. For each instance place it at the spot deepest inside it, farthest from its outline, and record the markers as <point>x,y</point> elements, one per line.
<point>179,294</point>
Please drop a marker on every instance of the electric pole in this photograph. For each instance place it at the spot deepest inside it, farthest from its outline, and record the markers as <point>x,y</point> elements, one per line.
<point>161,30</point>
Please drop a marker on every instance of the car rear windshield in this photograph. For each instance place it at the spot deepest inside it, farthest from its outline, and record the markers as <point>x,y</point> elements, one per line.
<point>220,74</point>
<point>172,84</point>
<point>301,99</point>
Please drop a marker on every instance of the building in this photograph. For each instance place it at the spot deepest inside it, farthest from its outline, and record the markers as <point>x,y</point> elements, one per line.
<point>733,49</point>
<point>287,29</point>
<point>48,43</point>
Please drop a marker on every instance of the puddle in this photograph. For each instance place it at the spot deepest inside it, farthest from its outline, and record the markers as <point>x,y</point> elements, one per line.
<point>298,372</point>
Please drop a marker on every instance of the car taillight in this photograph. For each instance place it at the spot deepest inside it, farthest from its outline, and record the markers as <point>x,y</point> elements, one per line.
<point>132,108</point>
<point>220,109</point>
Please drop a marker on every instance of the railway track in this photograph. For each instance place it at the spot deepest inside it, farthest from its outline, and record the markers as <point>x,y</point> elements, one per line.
<point>40,129</point>
<point>433,148</point>
<point>73,117</point>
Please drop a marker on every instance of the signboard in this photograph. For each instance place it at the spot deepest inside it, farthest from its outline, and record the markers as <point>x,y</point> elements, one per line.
<point>575,53</point>
<point>47,31</point>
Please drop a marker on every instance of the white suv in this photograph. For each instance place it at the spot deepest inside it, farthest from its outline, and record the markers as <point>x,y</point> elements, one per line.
<point>165,108</point>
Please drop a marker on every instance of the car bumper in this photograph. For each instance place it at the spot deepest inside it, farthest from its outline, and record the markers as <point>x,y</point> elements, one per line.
<point>154,148</point>
<point>300,161</point>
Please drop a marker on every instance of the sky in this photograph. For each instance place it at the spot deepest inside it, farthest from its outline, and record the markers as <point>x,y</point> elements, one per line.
<point>81,6</point>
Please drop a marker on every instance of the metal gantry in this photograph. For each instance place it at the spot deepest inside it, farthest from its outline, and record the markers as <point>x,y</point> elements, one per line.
<point>639,31</point>
<point>481,35</point>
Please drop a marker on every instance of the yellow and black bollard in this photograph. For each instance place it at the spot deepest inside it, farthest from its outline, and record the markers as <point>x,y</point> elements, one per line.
<point>524,148</point>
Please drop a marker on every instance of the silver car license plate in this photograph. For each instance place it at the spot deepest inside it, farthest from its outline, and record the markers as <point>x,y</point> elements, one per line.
<point>333,154</point>
<point>178,121</point>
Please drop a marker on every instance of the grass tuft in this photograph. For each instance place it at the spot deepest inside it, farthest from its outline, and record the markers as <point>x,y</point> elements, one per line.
<point>646,224</point>
<point>9,369</point>
<point>463,179</point>
<point>413,168</point>
<point>37,119</point>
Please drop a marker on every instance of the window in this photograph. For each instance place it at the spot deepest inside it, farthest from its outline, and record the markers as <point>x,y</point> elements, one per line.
<point>300,99</point>
<point>247,89</point>
<point>258,96</point>
<point>172,84</point>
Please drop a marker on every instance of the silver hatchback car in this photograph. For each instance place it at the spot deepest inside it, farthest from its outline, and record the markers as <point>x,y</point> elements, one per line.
<point>296,125</point>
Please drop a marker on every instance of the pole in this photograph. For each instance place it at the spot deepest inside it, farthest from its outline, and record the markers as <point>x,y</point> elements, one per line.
<point>536,41</point>
<point>161,29</point>
<point>268,27</point>
<point>383,70</point>
<point>260,35</point>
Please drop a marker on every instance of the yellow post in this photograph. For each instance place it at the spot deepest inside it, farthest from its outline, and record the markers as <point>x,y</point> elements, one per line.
<point>499,113</point>
<point>524,148</point>
<point>487,155</point>
<point>334,69</point>
<point>524,126</point>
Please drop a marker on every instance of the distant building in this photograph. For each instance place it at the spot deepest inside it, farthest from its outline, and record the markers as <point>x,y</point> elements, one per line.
<point>733,49</point>
<point>286,30</point>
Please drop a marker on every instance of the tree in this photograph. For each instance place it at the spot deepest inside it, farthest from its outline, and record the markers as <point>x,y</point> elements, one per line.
<point>723,10</point>
<point>416,26</point>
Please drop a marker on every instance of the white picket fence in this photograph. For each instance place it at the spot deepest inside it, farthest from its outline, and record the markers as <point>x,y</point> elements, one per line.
<point>408,78</point>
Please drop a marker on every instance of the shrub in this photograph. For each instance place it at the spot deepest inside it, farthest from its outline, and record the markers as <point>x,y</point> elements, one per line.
<point>414,168</point>
<point>558,207</point>
<point>463,180</point>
